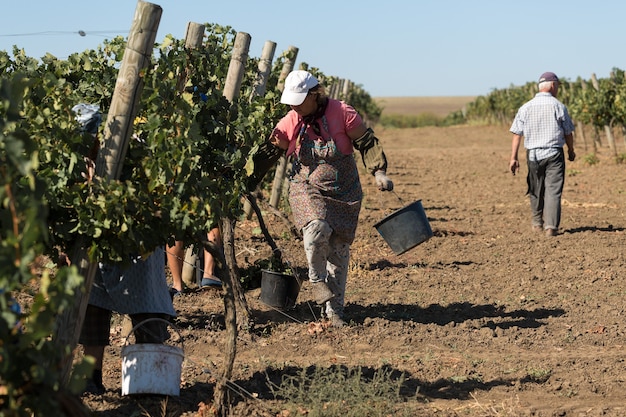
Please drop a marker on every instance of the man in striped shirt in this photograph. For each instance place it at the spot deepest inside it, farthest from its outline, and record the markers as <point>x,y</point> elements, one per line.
<point>546,127</point>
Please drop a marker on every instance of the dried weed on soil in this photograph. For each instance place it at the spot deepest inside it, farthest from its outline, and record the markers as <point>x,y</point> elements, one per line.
<point>485,319</point>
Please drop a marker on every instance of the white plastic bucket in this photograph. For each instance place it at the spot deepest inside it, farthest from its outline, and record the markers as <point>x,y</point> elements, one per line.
<point>151,368</point>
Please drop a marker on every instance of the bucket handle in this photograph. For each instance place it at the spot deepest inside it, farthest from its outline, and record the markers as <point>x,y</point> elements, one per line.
<point>180,336</point>
<point>397,196</point>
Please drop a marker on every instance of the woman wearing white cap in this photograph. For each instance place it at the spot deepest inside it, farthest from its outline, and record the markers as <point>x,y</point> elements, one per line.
<point>325,191</point>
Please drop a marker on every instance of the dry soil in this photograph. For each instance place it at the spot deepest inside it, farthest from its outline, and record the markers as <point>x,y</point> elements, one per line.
<point>487,318</point>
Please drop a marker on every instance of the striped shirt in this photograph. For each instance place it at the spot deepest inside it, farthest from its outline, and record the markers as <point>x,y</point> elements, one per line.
<point>544,122</point>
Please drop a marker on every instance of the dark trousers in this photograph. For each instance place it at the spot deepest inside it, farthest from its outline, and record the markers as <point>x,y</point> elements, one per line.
<point>96,328</point>
<point>545,188</point>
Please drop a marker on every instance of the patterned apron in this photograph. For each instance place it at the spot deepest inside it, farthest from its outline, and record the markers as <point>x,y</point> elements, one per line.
<point>324,183</point>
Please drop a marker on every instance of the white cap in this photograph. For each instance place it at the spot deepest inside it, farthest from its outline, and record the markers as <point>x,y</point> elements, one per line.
<point>297,86</point>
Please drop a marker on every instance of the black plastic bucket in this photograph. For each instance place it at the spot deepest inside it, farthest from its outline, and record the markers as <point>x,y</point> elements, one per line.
<point>405,228</point>
<point>279,290</point>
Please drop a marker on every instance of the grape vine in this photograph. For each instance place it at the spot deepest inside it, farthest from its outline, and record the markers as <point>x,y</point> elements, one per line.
<point>187,166</point>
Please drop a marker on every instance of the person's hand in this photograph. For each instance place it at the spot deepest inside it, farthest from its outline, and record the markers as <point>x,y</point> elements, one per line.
<point>571,155</point>
<point>90,169</point>
<point>63,260</point>
<point>382,181</point>
<point>514,166</point>
<point>279,143</point>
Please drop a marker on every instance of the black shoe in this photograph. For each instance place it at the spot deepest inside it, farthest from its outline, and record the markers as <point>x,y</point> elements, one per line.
<point>210,282</point>
<point>93,387</point>
<point>175,293</point>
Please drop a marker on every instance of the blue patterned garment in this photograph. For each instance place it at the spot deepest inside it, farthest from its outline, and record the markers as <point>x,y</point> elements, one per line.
<point>140,288</point>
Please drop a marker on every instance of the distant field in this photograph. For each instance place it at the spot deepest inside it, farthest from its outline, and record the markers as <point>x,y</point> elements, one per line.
<point>439,106</point>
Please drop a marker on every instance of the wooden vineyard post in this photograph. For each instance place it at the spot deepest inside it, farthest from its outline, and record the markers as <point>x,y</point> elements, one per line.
<point>233,293</point>
<point>595,142</point>
<point>193,40</point>
<point>264,69</point>
<point>607,128</point>
<point>117,132</point>
<point>281,167</point>
<point>332,91</point>
<point>580,131</point>
<point>128,87</point>
<point>580,128</point>
<point>260,85</point>
<point>194,35</point>
<point>236,68</point>
<point>346,90</point>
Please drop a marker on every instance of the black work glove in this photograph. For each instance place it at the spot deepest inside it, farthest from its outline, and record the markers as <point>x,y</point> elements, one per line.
<point>263,160</point>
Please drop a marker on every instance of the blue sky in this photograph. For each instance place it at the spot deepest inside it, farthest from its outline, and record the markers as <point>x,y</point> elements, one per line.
<point>391,48</point>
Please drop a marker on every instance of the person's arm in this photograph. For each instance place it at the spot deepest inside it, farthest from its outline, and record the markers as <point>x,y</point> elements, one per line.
<point>268,153</point>
<point>569,140</point>
<point>514,162</point>
<point>264,159</point>
<point>372,154</point>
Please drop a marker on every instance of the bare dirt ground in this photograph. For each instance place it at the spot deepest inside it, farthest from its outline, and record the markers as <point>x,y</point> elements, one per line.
<point>486,318</point>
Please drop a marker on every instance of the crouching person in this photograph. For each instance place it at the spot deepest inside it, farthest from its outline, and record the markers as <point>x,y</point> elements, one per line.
<point>141,291</point>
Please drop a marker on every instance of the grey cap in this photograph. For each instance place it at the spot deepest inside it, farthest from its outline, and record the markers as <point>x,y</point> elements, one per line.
<point>548,76</point>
